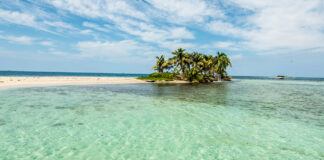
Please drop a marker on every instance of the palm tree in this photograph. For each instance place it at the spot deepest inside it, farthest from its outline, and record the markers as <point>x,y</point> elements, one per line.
<point>196,59</point>
<point>187,60</point>
<point>167,65</point>
<point>207,63</point>
<point>160,61</point>
<point>195,67</point>
<point>179,57</point>
<point>222,63</point>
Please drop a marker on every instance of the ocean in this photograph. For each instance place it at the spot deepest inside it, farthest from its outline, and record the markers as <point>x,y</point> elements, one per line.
<point>242,119</point>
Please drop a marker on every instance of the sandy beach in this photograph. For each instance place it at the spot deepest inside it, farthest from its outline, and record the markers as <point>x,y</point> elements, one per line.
<point>13,82</point>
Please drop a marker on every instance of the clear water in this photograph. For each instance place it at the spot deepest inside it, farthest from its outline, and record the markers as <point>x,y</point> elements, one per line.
<point>244,119</point>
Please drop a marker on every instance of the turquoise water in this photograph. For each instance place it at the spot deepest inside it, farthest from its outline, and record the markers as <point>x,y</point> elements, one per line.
<point>244,119</point>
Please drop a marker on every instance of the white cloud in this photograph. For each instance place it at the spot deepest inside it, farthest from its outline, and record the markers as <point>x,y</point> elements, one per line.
<point>60,25</point>
<point>226,45</point>
<point>258,26</point>
<point>153,34</point>
<point>17,39</point>
<point>126,50</point>
<point>59,53</point>
<point>175,11</point>
<point>46,43</point>
<point>31,20</point>
<point>291,25</point>
<point>86,31</point>
<point>107,49</point>
<point>135,18</point>
<point>108,26</point>
<point>99,8</point>
<point>224,28</point>
<point>150,33</point>
<point>180,33</point>
<point>18,18</point>
<point>175,44</point>
<point>95,26</point>
<point>222,45</point>
<point>186,11</point>
<point>236,56</point>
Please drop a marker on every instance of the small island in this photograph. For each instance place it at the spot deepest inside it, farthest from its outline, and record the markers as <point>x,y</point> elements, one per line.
<point>190,67</point>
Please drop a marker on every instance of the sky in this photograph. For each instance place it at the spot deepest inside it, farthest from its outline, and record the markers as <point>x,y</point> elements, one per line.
<point>262,37</point>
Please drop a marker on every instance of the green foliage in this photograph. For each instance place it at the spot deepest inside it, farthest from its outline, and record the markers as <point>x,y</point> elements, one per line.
<point>179,58</point>
<point>194,67</point>
<point>192,75</point>
<point>163,75</point>
<point>160,76</point>
<point>162,64</point>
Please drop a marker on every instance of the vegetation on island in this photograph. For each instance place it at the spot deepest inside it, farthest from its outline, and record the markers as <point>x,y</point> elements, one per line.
<point>193,67</point>
<point>161,76</point>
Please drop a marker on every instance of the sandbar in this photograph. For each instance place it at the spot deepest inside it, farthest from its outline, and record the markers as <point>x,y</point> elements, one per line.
<point>15,82</point>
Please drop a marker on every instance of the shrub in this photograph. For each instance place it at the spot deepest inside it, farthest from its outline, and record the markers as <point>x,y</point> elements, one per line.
<point>160,76</point>
<point>163,75</point>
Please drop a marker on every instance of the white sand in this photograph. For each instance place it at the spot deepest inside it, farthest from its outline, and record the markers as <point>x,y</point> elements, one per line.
<point>13,82</point>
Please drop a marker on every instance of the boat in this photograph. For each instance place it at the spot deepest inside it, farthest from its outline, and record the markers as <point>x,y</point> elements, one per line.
<point>281,77</point>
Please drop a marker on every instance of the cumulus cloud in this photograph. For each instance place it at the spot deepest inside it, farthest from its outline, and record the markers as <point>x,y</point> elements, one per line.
<point>275,27</point>
<point>46,43</point>
<point>18,18</point>
<point>98,8</point>
<point>120,51</point>
<point>151,33</point>
<point>133,21</point>
<point>17,39</point>
<point>186,11</point>
<point>31,20</point>
<point>261,27</point>
<point>225,28</point>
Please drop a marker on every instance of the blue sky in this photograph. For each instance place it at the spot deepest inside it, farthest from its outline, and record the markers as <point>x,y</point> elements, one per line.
<point>262,37</point>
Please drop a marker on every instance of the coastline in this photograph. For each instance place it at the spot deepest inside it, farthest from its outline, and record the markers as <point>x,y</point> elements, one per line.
<point>18,82</point>
<point>41,81</point>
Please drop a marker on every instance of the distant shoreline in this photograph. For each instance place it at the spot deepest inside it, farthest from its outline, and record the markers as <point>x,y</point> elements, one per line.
<point>130,75</point>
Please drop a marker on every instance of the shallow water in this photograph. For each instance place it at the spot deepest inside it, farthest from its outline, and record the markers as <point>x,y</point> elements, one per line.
<point>244,119</point>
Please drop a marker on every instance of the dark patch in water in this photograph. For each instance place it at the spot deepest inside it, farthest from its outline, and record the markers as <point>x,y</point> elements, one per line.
<point>2,122</point>
<point>58,124</point>
<point>80,123</point>
<point>99,109</point>
<point>80,111</point>
<point>62,107</point>
<point>36,106</point>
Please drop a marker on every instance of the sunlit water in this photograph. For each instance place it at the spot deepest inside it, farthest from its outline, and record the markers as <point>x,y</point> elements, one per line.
<point>244,119</point>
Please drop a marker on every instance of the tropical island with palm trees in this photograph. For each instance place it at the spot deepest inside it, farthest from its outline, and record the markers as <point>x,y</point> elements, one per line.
<point>190,67</point>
